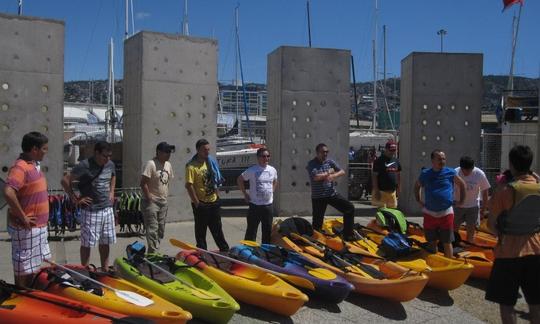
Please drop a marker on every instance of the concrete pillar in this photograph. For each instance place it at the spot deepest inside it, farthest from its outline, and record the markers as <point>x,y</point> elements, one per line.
<point>308,103</point>
<point>170,85</point>
<point>31,91</point>
<point>441,100</point>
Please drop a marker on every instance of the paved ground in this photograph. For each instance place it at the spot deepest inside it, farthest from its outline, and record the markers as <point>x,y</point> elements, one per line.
<point>463,305</point>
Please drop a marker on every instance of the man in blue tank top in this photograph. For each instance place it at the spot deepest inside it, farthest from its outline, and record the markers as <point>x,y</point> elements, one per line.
<point>438,183</point>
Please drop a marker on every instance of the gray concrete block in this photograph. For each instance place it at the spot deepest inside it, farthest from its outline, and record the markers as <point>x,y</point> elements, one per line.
<point>307,104</point>
<point>31,91</point>
<point>171,95</point>
<point>441,97</point>
<point>31,44</point>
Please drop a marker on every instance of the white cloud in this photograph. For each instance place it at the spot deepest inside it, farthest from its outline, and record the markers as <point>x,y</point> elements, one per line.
<point>142,15</point>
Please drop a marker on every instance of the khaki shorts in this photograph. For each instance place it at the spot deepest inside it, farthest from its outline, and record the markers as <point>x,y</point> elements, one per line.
<point>388,199</point>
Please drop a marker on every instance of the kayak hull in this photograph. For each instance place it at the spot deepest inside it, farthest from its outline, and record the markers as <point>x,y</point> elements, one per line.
<point>334,289</point>
<point>208,302</point>
<point>161,311</point>
<point>249,285</point>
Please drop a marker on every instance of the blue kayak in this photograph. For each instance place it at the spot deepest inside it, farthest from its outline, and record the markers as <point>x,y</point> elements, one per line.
<point>327,284</point>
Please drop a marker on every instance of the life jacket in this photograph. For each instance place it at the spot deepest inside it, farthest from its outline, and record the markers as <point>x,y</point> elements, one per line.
<point>395,245</point>
<point>393,219</point>
<point>524,217</point>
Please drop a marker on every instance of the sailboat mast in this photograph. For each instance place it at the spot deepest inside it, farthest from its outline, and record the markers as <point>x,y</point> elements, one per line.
<point>384,60</point>
<point>185,23</point>
<point>110,115</point>
<point>374,123</point>
<point>236,61</point>
<point>515,30</point>
<point>126,33</point>
<point>308,22</point>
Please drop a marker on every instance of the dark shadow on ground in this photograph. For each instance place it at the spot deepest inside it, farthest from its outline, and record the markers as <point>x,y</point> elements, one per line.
<point>319,303</point>
<point>66,238</point>
<point>477,283</point>
<point>385,308</point>
<point>262,314</point>
<point>436,296</point>
<point>130,234</point>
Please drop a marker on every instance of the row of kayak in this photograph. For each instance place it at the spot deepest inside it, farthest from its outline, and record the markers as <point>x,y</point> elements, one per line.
<point>207,285</point>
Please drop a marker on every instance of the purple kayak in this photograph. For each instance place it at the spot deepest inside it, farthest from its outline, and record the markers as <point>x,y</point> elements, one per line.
<point>328,285</point>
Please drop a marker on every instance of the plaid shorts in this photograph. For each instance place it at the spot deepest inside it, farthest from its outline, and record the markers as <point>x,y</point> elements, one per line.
<point>29,247</point>
<point>97,226</point>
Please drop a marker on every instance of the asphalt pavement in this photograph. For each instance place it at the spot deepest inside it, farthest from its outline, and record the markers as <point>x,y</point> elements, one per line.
<point>463,305</point>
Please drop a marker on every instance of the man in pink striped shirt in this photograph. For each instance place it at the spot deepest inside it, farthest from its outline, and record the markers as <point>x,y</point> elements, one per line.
<point>26,194</point>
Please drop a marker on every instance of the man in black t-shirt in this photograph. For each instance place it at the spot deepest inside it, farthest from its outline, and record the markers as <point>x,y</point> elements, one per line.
<point>385,178</point>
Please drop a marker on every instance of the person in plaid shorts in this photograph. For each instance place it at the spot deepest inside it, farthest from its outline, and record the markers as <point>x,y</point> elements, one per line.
<point>26,194</point>
<point>96,182</point>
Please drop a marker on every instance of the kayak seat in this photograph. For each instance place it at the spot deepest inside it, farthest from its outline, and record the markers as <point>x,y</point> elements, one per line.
<point>60,277</point>
<point>149,271</point>
<point>273,255</point>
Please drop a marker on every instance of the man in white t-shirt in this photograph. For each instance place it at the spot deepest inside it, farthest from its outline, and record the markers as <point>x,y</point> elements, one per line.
<point>476,184</point>
<point>156,176</point>
<point>262,182</point>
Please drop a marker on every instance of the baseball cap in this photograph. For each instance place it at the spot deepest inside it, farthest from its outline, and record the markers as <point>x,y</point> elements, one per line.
<point>165,147</point>
<point>391,145</point>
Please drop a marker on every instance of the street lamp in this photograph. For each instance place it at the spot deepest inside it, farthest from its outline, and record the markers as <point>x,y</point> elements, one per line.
<point>441,33</point>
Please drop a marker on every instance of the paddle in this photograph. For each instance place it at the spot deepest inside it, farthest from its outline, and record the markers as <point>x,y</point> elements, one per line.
<point>365,269</point>
<point>295,280</point>
<point>128,296</point>
<point>363,246</point>
<point>299,260</point>
<point>195,291</point>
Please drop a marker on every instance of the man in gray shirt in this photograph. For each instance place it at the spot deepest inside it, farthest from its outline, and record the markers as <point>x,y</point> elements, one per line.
<point>96,182</point>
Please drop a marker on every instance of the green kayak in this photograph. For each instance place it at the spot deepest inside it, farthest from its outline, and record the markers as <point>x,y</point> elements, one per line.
<point>192,290</point>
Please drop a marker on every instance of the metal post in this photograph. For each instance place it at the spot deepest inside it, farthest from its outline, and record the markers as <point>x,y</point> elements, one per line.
<point>515,30</point>
<point>442,33</point>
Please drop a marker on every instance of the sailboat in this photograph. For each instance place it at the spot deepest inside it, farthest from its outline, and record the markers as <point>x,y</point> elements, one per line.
<point>236,152</point>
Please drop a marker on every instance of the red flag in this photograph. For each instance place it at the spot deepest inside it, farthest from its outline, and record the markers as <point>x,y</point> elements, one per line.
<point>508,3</point>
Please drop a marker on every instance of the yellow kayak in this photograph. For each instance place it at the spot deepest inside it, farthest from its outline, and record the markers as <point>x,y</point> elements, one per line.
<point>379,278</point>
<point>160,311</point>
<point>443,273</point>
<point>247,284</point>
<point>481,258</point>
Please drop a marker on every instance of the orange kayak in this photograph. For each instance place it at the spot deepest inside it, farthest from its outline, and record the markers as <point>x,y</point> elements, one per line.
<point>160,311</point>
<point>377,278</point>
<point>18,305</point>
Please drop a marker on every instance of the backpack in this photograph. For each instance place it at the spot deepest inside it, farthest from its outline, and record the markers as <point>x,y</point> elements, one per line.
<point>393,219</point>
<point>395,245</point>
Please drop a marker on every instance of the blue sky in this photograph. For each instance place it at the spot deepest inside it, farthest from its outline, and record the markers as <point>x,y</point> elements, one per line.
<point>476,26</point>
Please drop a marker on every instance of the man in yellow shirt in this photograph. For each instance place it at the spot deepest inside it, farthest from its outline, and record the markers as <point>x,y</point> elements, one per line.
<point>202,180</point>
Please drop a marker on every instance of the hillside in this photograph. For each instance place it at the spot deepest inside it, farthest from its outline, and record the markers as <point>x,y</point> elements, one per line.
<point>81,91</point>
